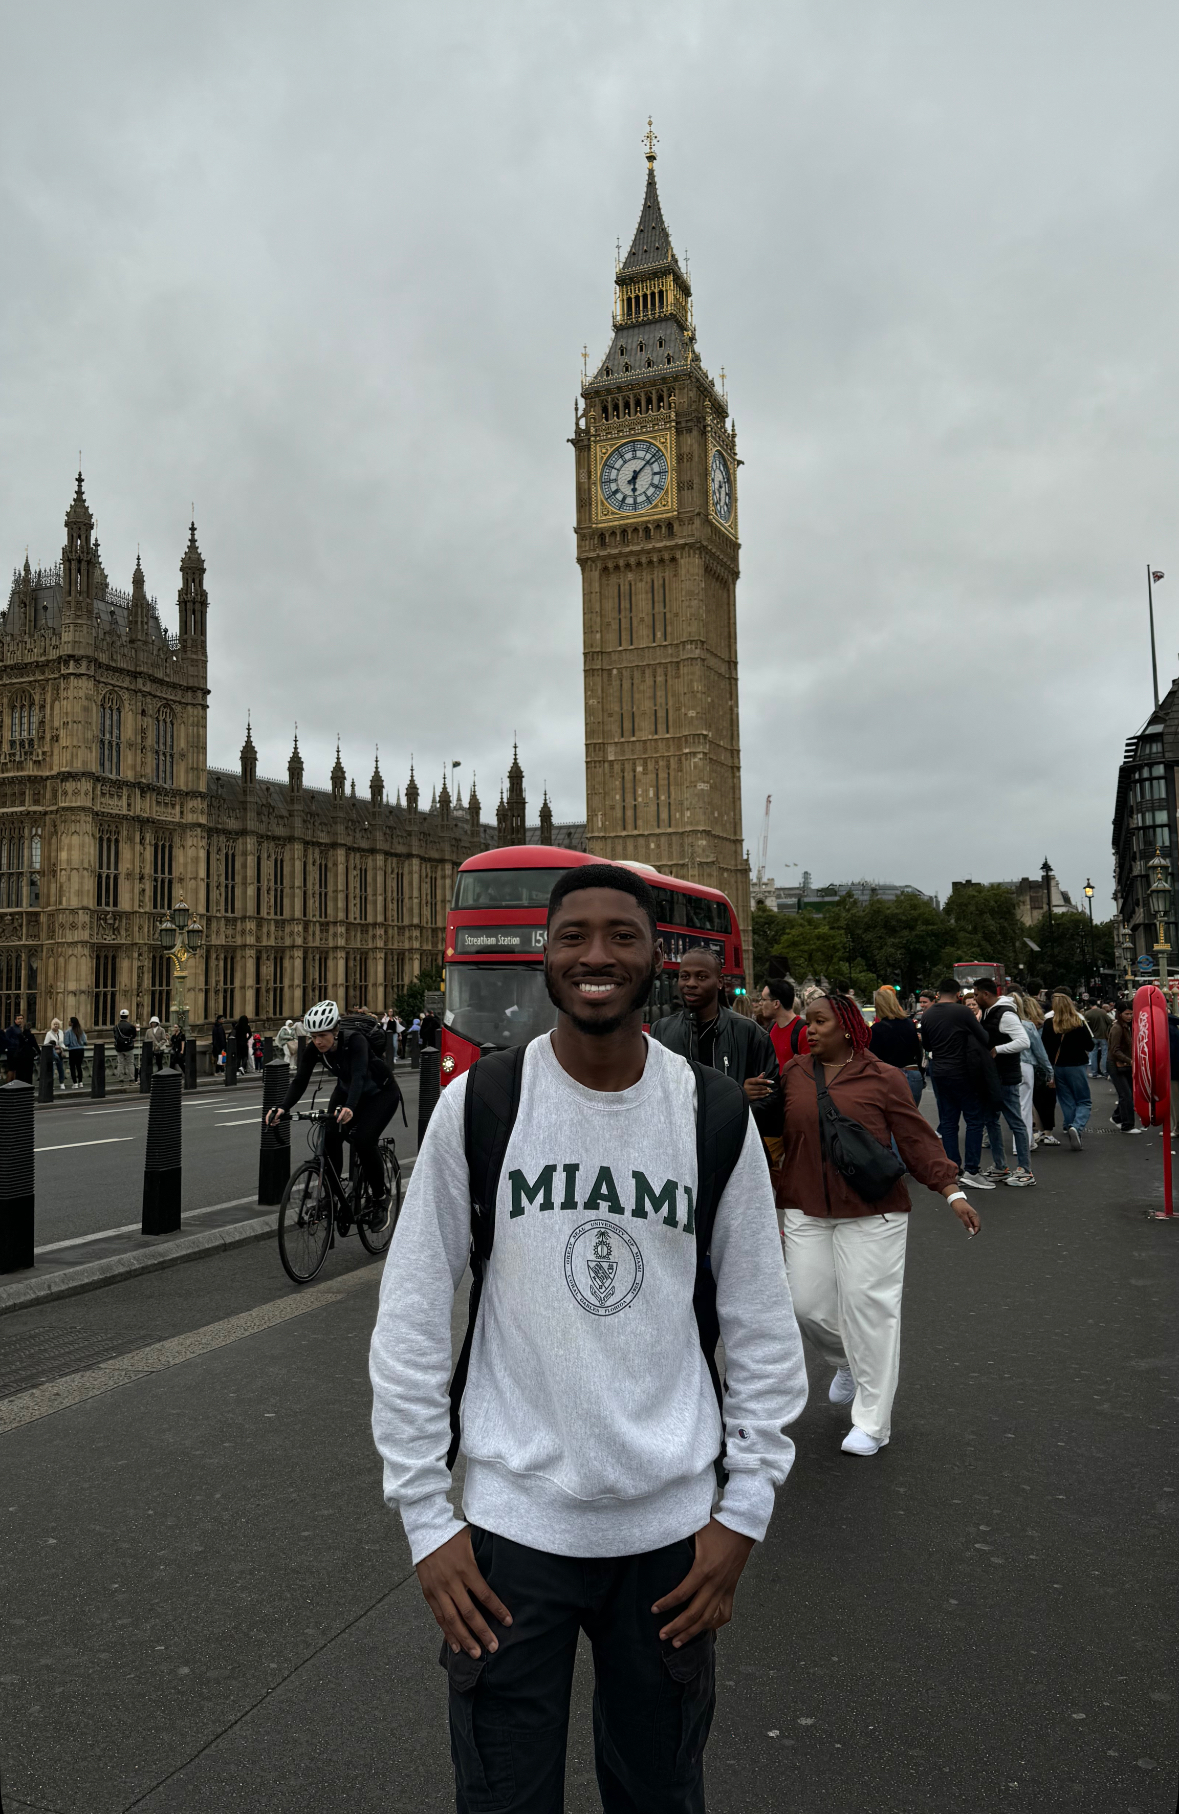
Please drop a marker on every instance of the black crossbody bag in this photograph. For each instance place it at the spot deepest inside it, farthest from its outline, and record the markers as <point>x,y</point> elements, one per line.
<point>857,1155</point>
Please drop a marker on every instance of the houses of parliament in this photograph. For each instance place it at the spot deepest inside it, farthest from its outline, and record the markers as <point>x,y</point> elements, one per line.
<point>110,812</point>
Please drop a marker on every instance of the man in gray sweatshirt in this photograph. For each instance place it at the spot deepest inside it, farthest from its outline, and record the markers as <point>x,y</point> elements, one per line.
<point>589,1421</point>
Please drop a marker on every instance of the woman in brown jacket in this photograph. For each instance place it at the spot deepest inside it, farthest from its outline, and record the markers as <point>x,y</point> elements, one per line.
<point>846,1257</point>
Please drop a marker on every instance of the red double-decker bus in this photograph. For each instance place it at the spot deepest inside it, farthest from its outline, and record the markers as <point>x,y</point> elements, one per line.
<point>494,981</point>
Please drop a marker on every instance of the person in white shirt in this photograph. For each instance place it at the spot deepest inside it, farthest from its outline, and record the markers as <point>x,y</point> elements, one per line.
<point>589,1421</point>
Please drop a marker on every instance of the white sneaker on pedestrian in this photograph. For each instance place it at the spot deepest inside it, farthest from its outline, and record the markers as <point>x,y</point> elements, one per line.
<point>1020,1179</point>
<point>1049,1140</point>
<point>843,1387</point>
<point>858,1442</point>
<point>1074,1139</point>
<point>1134,1130</point>
<point>975,1182</point>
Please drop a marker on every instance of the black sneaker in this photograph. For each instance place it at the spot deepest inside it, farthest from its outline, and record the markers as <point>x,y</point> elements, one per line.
<point>378,1215</point>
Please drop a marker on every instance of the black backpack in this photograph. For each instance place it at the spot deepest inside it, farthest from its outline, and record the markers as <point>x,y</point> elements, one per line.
<point>370,1026</point>
<point>490,1110</point>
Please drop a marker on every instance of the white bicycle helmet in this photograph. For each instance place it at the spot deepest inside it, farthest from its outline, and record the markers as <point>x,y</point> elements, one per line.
<point>324,1017</point>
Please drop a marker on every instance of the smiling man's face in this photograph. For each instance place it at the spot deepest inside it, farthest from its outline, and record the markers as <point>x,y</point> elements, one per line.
<point>601,958</point>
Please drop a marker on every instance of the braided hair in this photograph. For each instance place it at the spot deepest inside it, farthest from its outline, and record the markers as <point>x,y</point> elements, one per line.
<point>850,1019</point>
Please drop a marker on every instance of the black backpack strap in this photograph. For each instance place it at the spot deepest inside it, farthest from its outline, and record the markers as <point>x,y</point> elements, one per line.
<point>722,1118</point>
<point>489,1115</point>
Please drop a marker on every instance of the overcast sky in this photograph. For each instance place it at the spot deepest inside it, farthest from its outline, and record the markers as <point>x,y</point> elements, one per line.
<point>327,273</point>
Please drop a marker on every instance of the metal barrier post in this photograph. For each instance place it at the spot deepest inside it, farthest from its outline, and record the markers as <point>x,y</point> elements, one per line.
<point>190,1062</point>
<point>230,1060</point>
<point>162,1169</point>
<point>274,1153</point>
<point>414,1041</point>
<point>429,1084</point>
<point>147,1065</point>
<point>16,1177</point>
<point>45,1074</point>
<point>98,1070</point>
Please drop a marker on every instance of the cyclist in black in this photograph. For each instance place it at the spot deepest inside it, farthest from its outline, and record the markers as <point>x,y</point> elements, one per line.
<point>361,1105</point>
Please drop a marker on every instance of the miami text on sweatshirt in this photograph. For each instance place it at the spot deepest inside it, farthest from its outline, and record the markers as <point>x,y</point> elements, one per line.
<point>589,1421</point>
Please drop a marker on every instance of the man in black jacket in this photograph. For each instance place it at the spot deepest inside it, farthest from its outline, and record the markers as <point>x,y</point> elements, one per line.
<point>957,1046</point>
<point>710,1033</point>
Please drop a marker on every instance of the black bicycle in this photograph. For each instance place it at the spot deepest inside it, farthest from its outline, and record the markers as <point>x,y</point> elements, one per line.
<point>317,1205</point>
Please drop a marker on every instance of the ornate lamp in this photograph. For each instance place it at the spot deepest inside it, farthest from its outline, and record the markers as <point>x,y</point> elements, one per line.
<point>194,935</point>
<point>168,935</point>
<point>1160,888</point>
<point>180,915</point>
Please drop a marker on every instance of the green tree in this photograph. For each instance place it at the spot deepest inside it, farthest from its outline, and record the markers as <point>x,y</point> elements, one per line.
<point>411,999</point>
<point>903,941</point>
<point>983,923</point>
<point>767,926</point>
<point>1070,952</point>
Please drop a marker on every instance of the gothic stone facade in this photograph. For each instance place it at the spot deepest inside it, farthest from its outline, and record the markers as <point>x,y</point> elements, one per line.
<point>109,814</point>
<point>656,473</point>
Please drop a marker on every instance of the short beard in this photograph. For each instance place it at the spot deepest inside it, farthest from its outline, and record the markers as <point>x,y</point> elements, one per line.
<point>602,1028</point>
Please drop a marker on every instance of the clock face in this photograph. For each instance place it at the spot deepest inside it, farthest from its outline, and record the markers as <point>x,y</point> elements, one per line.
<point>634,476</point>
<point>722,488</point>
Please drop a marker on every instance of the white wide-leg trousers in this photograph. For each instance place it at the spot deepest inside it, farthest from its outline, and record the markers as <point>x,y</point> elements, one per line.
<point>846,1277</point>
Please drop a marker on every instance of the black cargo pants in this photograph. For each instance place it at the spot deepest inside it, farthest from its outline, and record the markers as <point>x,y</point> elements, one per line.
<point>509,1712</point>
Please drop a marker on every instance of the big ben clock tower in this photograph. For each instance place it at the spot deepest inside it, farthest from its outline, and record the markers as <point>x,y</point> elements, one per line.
<point>659,556</point>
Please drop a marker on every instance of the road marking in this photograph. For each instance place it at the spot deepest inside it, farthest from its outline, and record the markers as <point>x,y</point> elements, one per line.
<point>68,1145</point>
<point>75,1388</point>
<point>254,1121</point>
<point>133,1228</point>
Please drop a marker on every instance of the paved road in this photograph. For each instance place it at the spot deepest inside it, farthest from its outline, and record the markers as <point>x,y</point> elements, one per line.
<point>204,1606</point>
<point>89,1155</point>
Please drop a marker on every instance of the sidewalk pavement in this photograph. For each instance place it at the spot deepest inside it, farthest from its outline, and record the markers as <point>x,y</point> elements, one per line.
<point>205,1608</point>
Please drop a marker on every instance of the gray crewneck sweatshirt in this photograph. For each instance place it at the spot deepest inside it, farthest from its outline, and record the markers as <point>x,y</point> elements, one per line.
<point>589,1421</point>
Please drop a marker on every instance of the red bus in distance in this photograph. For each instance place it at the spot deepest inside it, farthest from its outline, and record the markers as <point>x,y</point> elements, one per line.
<point>494,953</point>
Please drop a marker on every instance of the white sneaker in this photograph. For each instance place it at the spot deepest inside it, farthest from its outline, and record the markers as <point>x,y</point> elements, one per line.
<point>1074,1139</point>
<point>1020,1179</point>
<point>858,1442</point>
<point>1049,1140</point>
<point>843,1387</point>
<point>975,1182</point>
<point>1134,1130</point>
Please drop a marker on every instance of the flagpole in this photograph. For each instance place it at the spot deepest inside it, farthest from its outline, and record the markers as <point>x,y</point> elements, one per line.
<point>1154,665</point>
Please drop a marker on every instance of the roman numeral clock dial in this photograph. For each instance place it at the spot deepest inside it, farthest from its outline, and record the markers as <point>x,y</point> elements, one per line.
<point>634,476</point>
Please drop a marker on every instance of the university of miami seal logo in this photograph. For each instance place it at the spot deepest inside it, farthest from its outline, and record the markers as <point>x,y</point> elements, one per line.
<point>603,1267</point>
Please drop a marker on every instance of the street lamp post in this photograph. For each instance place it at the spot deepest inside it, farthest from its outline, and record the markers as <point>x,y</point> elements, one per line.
<point>1160,907</point>
<point>1089,893</point>
<point>180,938</point>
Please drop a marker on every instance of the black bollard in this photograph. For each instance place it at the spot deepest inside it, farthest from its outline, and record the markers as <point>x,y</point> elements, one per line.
<point>414,1042</point>
<point>16,1177</point>
<point>147,1065</point>
<point>428,1087</point>
<point>274,1154</point>
<point>45,1074</point>
<point>98,1070</point>
<point>267,1047</point>
<point>190,1062</point>
<point>161,1169</point>
<point>230,1061</point>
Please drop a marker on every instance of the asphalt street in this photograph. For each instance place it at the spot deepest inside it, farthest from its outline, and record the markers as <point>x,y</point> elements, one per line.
<point>89,1155</point>
<point>205,1605</point>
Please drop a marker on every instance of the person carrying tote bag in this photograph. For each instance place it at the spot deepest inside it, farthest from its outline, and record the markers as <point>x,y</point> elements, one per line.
<point>846,1209</point>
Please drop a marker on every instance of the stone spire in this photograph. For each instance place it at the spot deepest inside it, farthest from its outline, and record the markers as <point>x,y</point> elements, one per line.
<point>78,557</point>
<point>295,769</point>
<point>473,807</point>
<point>411,791</point>
<point>140,623</point>
<point>249,759</point>
<point>546,819</point>
<point>444,801</point>
<point>339,779</point>
<point>25,621</point>
<point>501,819</point>
<point>192,600</point>
<point>376,786</point>
<point>516,804</point>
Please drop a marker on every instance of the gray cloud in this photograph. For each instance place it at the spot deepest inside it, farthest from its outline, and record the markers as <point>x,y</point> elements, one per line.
<point>328,275</point>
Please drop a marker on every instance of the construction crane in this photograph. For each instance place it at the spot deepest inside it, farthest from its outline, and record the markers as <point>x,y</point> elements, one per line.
<point>763,848</point>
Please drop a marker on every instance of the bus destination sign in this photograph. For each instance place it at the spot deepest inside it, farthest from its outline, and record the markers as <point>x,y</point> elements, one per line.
<point>519,941</point>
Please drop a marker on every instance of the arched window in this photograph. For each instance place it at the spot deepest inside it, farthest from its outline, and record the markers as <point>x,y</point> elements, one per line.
<point>630,307</point>
<point>22,722</point>
<point>165,746</point>
<point>659,399</point>
<point>110,736</point>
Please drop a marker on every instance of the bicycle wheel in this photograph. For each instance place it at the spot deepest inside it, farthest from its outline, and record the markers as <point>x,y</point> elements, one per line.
<point>377,1240</point>
<point>304,1224</point>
